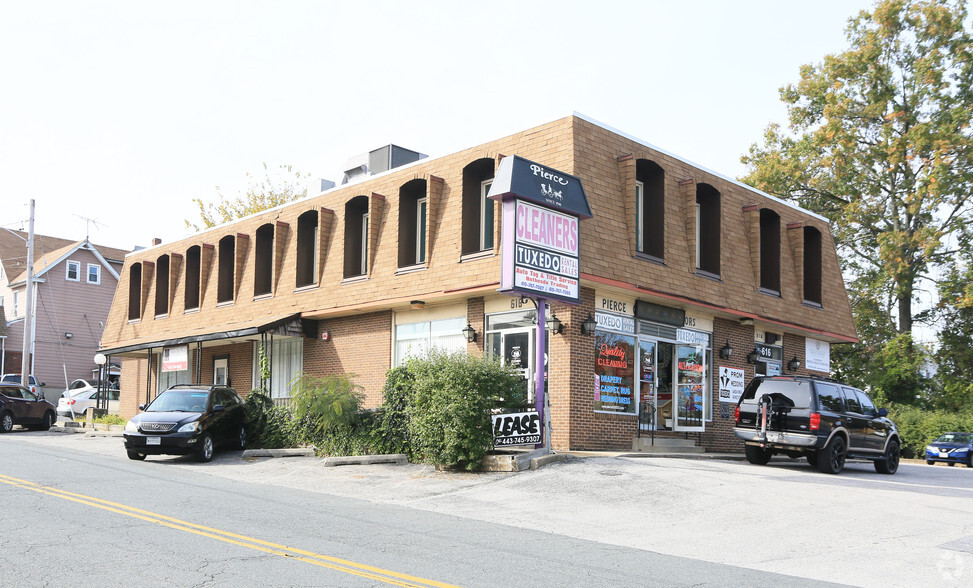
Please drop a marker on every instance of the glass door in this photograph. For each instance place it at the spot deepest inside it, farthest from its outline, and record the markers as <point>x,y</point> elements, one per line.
<point>648,417</point>
<point>515,348</point>
<point>220,369</point>
<point>690,389</point>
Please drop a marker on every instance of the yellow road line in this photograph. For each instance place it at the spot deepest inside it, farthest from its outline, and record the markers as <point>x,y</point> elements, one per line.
<point>334,563</point>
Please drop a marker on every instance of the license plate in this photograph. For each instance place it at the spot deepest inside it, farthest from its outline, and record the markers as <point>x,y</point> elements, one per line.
<point>773,437</point>
<point>943,454</point>
<point>153,440</point>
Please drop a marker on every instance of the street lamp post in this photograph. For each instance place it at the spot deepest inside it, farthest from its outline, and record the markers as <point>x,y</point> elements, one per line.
<point>102,403</point>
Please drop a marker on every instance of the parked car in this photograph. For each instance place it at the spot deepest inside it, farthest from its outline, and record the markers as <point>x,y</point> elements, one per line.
<point>187,419</point>
<point>20,406</point>
<point>76,402</point>
<point>33,386</point>
<point>822,420</point>
<point>951,448</point>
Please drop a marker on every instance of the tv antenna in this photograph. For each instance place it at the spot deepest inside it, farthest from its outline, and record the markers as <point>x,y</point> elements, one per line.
<point>88,224</point>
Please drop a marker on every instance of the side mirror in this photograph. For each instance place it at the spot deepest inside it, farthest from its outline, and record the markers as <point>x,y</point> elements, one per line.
<point>218,408</point>
<point>883,412</point>
<point>142,406</point>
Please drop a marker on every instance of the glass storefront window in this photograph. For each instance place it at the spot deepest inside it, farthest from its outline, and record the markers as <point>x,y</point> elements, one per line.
<point>614,378</point>
<point>415,339</point>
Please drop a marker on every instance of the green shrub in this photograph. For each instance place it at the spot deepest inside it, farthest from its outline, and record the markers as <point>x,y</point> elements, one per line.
<point>449,416</point>
<point>327,402</point>
<point>918,427</point>
<point>268,426</point>
<point>391,433</point>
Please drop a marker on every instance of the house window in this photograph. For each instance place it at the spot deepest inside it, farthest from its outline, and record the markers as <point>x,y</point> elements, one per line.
<point>769,251</point>
<point>74,271</point>
<point>812,265</point>
<point>16,304</point>
<point>707,230</point>
<point>307,241</point>
<point>415,339</point>
<point>227,259</point>
<point>162,286</point>
<point>477,227</point>
<point>356,237</point>
<point>286,356</point>
<point>171,378</point>
<point>192,277</point>
<point>650,207</point>
<point>412,223</point>
<point>263,266</point>
<point>94,273</point>
<point>135,292</point>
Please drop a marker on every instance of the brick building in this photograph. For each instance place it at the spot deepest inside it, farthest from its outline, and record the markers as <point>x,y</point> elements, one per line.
<point>690,283</point>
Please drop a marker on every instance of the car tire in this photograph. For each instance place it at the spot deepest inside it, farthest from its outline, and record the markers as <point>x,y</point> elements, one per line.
<point>206,448</point>
<point>969,461</point>
<point>930,462</point>
<point>889,463</point>
<point>46,422</point>
<point>812,459</point>
<point>950,463</point>
<point>241,438</point>
<point>6,422</point>
<point>757,455</point>
<point>832,458</point>
<point>135,454</point>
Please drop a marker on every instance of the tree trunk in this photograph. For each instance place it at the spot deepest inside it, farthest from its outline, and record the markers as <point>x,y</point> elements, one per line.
<point>905,312</point>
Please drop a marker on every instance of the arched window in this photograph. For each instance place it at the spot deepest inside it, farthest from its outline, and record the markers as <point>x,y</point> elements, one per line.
<point>769,251</point>
<point>356,237</point>
<point>135,292</point>
<point>708,230</point>
<point>477,229</point>
<point>191,295</point>
<point>307,246</point>
<point>412,223</point>
<point>263,263</point>
<point>162,286</point>
<point>812,265</point>
<point>650,208</point>
<point>227,262</point>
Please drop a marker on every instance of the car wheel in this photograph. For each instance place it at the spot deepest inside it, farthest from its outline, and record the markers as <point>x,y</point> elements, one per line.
<point>950,463</point>
<point>757,455</point>
<point>135,454</point>
<point>241,438</point>
<point>969,461</point>
<point>889,463</point>
<point>812,459</point>
<point>6,423</point>
<point>832,458</point>
<point>930,462</point>
<point>205,449</point>
<point>46,422</point>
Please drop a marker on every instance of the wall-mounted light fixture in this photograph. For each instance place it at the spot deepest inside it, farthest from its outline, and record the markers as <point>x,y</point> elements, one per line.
<point>794,364</point>
<point>588,326</point>
<point>727,350</point>
<point>68,335</point>
<point>554,325</point>
<point>752,356</point>
<point>746,322</point>
<point>417,304</point>
<point>470,333</point>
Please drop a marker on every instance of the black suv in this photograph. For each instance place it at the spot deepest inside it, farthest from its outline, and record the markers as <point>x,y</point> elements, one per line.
<point>823,420</point>
<point>20,406</point>
<point>187,419</point>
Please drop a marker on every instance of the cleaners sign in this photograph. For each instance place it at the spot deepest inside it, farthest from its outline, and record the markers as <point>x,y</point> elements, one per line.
<point>542,208</point>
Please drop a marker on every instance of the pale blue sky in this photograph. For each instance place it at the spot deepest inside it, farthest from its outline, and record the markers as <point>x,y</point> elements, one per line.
<point>125,111</point>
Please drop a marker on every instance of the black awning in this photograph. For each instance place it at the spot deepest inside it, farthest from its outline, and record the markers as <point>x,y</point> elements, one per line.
<point>288,325</point>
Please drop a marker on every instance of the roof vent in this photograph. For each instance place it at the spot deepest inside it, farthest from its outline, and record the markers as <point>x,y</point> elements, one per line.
<point>378,161</point>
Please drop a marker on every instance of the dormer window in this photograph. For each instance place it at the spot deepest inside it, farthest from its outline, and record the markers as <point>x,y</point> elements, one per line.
<point>413,206</point>
<point>478,221</point>
<point>650,209</point>
<point>356,237</point>
<point>707,230</point>
<point>769,251</point>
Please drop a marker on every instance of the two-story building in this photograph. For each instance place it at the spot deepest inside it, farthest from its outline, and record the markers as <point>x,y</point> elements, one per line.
<point>690,283</point>
<point>74,283</point>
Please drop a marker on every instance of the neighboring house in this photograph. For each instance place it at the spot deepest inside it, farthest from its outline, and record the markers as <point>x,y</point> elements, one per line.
<point>74,285</point>
<point>690,284</point>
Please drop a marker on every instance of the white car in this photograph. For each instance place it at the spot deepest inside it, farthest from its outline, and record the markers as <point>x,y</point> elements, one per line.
<point>80,395</point>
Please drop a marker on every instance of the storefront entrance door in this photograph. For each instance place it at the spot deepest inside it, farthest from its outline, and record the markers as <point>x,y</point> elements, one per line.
<point>518,351</point>
<point>690,389</point>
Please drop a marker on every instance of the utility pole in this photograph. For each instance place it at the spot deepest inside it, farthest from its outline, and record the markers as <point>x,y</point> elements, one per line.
<point>29,307</point>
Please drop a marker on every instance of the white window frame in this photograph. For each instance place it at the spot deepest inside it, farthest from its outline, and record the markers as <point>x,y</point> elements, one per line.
<point>77,271</point>
<point>484,202</point>
<point>639,204</point>
<point>364,244</point>
<point>16,304</point>
<point>421,210</point>
<point>449,329</point>
<point>697,235</point>
<point>97,268</point>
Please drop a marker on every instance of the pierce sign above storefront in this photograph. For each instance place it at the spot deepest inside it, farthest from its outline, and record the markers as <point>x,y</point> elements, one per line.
<point>541,210</point>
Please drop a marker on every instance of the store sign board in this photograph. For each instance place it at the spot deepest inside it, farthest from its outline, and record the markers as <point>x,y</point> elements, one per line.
<point>614,373</point>
<point>614,322</point>
<point>553,189</point>
<point>817,355</point>
<point>175,359</point>
<point>516,428</point>
<point>732,381</point>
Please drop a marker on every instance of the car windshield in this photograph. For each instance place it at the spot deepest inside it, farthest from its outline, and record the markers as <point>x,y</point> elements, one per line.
<point>791,393</point>
<point>956,438</point>
<point>179,401</point>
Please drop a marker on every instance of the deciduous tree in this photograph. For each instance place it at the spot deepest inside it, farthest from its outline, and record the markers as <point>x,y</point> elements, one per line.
<point>260,195</point>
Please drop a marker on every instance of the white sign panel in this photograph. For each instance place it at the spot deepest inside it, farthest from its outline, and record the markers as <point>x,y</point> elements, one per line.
<point>731,384</point>
<point>518,428</point>
<point>817,355</point>
<point>175,359</point>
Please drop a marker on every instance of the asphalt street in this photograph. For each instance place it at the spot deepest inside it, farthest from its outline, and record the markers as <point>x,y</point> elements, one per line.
<point>858,528</point>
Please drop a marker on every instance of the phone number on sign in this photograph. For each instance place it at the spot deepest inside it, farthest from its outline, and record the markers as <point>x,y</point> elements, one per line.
<point>528,439</point>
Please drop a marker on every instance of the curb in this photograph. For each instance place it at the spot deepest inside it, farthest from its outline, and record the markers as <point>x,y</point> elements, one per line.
<point>296,452</point>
